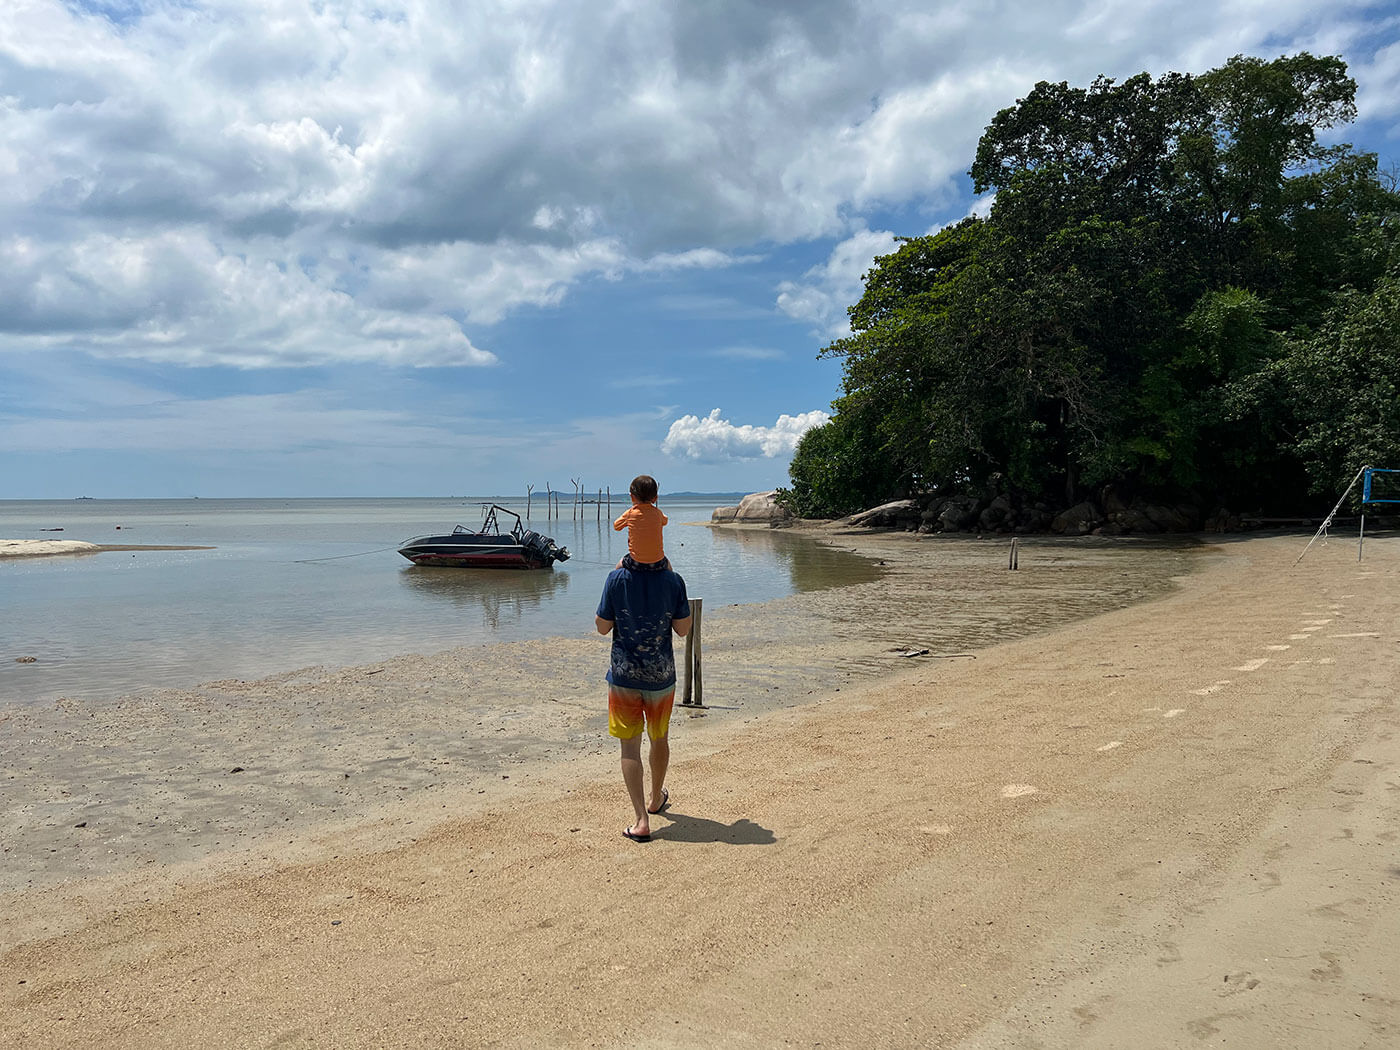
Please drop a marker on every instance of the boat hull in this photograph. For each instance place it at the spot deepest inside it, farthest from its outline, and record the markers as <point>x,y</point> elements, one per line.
<point>451,552</point>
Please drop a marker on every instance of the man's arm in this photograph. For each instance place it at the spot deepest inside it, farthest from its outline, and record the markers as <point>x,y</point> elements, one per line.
<point>682,626</point>
<point>606,626</point>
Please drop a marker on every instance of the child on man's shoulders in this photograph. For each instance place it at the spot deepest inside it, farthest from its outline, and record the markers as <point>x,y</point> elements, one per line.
<point>643,522</point>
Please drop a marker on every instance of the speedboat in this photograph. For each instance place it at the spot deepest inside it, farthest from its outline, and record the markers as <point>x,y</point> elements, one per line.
<point>488,547</point>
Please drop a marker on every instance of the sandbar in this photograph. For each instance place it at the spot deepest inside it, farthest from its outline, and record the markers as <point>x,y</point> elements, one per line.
<point>1168,824</point>
<point>38,548</point>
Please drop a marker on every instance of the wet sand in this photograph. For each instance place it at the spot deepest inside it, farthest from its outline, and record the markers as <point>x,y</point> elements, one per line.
<point>1166,825</point>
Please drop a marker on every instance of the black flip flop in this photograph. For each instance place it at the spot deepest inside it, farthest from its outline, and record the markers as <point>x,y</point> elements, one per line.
<point>665,801</point>
<point>627,834</point>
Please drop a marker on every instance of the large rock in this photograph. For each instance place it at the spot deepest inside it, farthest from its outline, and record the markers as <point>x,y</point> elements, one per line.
<point>997,514</point>
<point>1133,519</point>
<point>1079,520</point>
<point>1180,518</point>
<point>900,513</point>
<point>958,513</point>
<point>757,508</point>
<point>723,515</point>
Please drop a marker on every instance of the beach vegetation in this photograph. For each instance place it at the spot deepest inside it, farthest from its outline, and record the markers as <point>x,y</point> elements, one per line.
<point>1183,289</point>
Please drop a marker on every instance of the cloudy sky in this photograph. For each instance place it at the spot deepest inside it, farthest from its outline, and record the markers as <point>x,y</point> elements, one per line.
<point>427,247</point>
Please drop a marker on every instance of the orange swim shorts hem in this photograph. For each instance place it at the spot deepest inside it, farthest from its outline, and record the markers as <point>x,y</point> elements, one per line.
<point>630,709</point>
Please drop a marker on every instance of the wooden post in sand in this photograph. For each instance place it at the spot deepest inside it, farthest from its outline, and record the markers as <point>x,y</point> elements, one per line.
<point>529,491</point>
<point>1014,562</point>
<point>694,681</point>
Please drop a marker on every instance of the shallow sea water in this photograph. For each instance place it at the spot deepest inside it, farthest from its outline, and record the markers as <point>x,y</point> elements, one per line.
<point>297,583</point>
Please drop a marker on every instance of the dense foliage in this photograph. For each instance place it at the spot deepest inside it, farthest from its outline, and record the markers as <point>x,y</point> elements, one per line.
<point>1178,290</point>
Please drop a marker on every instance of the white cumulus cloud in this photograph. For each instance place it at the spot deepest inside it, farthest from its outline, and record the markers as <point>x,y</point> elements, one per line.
<point>824,292</point>
<point>174,297</point>
<point>438,163</point>
<point>713,439</point>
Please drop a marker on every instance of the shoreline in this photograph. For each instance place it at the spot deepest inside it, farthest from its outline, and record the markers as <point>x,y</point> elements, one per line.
<point>147,775</point>
<point>1015,798</point>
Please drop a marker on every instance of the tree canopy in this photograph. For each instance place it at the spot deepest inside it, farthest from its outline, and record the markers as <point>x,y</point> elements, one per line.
<point>1179,288</point>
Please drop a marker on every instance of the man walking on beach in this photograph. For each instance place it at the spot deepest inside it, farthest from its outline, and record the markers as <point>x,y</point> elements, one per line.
<point>640,607</point>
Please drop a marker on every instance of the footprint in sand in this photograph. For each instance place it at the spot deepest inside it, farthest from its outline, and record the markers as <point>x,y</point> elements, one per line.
<point>1331,972</point>
<point>1244,981</point>
<point>1017,790</point>
<point>1252,665</point>
<point>1173,712</point>
<point>1110,745</point>
<point>1278,648</point>
<point>1212,688</point>
<point>1299,637</point>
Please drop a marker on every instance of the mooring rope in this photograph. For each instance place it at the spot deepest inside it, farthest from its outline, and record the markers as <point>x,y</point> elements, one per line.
<point>1327,522</point>
<point>337,557</point>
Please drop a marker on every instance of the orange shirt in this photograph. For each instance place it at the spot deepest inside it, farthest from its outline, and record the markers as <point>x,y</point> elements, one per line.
<point>643,523</point>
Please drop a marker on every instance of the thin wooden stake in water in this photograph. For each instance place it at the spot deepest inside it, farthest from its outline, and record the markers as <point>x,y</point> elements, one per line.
<point>1015,562</point>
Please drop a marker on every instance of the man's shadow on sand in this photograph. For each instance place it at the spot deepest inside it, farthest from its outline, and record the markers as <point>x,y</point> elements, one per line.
<point>742,832</point>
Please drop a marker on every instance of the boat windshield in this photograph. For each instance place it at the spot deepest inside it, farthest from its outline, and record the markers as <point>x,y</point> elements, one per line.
<point>490,526</point>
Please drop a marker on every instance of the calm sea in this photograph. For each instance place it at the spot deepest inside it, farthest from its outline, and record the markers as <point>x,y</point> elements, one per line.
<point>296,583</point>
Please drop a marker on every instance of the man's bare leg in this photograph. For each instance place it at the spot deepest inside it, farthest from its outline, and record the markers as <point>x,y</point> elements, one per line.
<point>660,760</point>
<point>632,778</point>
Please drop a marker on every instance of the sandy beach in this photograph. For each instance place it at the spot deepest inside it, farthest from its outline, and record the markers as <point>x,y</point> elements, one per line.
<point>1169,824</point>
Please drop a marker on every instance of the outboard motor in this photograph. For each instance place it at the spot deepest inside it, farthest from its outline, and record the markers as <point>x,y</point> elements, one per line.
<point>544,547</point>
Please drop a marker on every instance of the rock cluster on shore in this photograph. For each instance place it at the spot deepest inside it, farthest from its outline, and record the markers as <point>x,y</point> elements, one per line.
<point>1108,515</point>
<point>1109,512</point>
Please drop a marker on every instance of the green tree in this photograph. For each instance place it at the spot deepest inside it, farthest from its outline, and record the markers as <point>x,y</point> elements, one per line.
<point>1155,250</point>
<point>1344,381</point>
<point>840,468</point>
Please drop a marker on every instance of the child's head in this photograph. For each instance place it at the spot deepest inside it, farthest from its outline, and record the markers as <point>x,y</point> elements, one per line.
<point>643,488</point>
